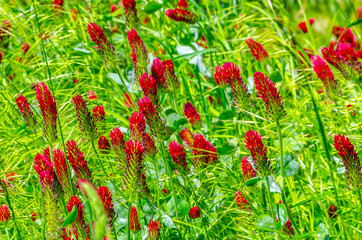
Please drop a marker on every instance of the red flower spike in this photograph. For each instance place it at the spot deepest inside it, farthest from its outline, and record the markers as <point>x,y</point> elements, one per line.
<point>325,74</point>
<point>219,77</point>
<point>134,223</point>
<point>61,169</point>
<point>165,191</point>
<point>194,212</point>
<point>178,155</point>
<point>192,115</point>
<point>79,224</point>
<point>257,50</point>
<point>182,15</point>
<point>85,120</point>
<point>182,4</point>
<point>247,168</point>
<point>113,8</point>
<point>139,53</point>
<point>33,216</point>
<point>137,125</point>
<point>172,83</point>
<point>131,14</point>
<point>76,159</point>
<point>187,137</point>
<point>288,228</point>
<point>157,126</point>
<point>303,25</point>
<point>149,146</point>
<point>58,6</point>
<point>128,102</point>
<point>205,153</point>
<point>4,213</point>
<point>24,109</point>
<point>48,108</point>
<point>104,145</point>
<point>106,197</point>
<point>350,160</point>
<point>270,95</point>
<point>99,119</point>
<point>149,87</point>
<point>118,143</point>
<point>106,49</point>
<point>240,200</point>
<point>69,233</point>
<point>258,151</point>
<point>133,173</point>
<point>92,95</point>
<point>154,230</point>
<point>158,72</point>
<point>332,211</point>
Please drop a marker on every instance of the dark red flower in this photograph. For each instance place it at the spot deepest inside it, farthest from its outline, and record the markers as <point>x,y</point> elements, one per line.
<point>178,155</point>
<point>4,213</point>
<point>113,8</point>
<point>61,169</point>
<point>48,108</point>
<point>133,174</point>
<point>134,223</point>
<point>131,14</point>
<point>158,72</point>
<point>194,212</point>
<point>164,190</point>
<point>79,224</point>
<point>139,53</point>
<point>258,151</point>
<point>76,159</point>
<point>172,83</point>
<point>332,211</point>
<point>182,15</point>
<point>85,120</point>
<point>303,25</point>
<point>205,153</point>
<point>154,230</point>
<point>347,37</point>
<point>5,30</point>
<point>24,109</point>
<point>240,200</point>
<point>247,168</point>
<point>182,4</point>
<point>104,145</point>
<point>219,77</point>
<point>137,125</point>
<point>25,47</point>
<point>325,74</point>
<point>106,197</point>
<point>58,6</point>
<point>270,95</point>
<point>149,87</point>
<point>99,119</point>
<point>119,144</point>
<point>1,56</point>
<point>187,137</point>
<point>192,115</point>
<point>92,95</point>
<point>350,160</point>
<point>257,50</point>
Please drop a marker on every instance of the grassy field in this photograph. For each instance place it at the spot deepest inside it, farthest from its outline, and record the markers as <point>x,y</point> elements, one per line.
<point>180,120</point>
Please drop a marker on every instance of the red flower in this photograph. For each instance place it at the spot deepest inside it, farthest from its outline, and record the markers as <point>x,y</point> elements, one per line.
<point>303,25</point>
<point>139,53</point>
<point>58,6</point>
<point>219,77</point>
<point>137,125</point>
<point>332,211</point>
<point>257,50</point>
<point>347,37</point>
<point>1,55</point>
<point>350,159</point>
<point>182,4</point>
<point>33,216</point>
<point>4,213</point>
<point>131,14</point>
<point>270,95</point>
<point>25,110</point>
<point>133,174</point>
<point>192,115</point>
<point>134,223</point>
<point>165,191</point>
<point>154,230</point>
<point>258,151</point>
<point>247,168</point>
<point>359,12</point>
<point>182,15</point>
<point>187,137</point>
<point>104,145</point>
<point>149,145</point>
<point>48,108</point>
<point>204,152</point>
<point>158,72</point>
<point>118,143</point>
<point>172,83</point>
<point>128,101</point>
<point>325,74</point>
<point>149,87</point>
<point>92,95</point>
<point>194,212</point>
<point>99,119</point>
<point>79,223</point>
<point>44,167</point>
<point>178,155</point>
<point>113,8</point>
<point>25,47</point>
<point>76,159</point>
<point>69,233</point>
<point>240,200</point>
<point>61,169</point>
<point>85,120</point>
<point>106,197</point>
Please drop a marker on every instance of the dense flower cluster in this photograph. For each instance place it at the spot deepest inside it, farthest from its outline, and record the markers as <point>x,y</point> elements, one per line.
<point>134,223</point>
<point>240,200</point>
<point>79,224</point>
<point>187,137</point>
<point>325,74</point>
<point>119,144</point>
<point>204,152</point>
<point>192,115</point>
<point>194,212</point>
<point>24,109</point>
<point>303,25</point>
<point>178,155</point>
<point>247,168</point>
<point>4,213</point>
<point>182,15</point>
<point>85,120</point>
<point>149,87</point>
<point>130,12</point>
<point>257,50</point>
<point>106,197</point>
<point>77,161</point>
<point>154,230</point>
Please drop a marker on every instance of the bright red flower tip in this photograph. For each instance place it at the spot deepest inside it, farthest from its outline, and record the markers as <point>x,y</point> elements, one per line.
<point>131,14</point>
<point>240,199</point>
<point>58,5</point>
<point>219,77</point>
<point>350,159</point>
<point>154,230</point>
<point>4,213</point>
<point>257,50</point>
<point>61,169</point>
<point>74,201</point>
<point>187,137</point>
<point>149,87</point>
<point>178,154</point>
<point>194,212</point>
<point>258,151</point>
<point>172,83</point>
<point>164,190</point>
<point>113,8</point>
<point>119,144</point>
<point>92,95</point>
<point>182,4</point>
<point>192,115</point>
<point>24,109</point>
<point>139,53</point>
<point>128,101</point>
<point>134,223</point>
<point>325,74</point>
<point>25,47</point>
<point>1,56</point>
<point>332,211</point>
<point>77,161</point>
<point>247,168</point>
<point>270,95</point>
<point>205,153</point>
<point>303,25</point>
<point>33,216</point>
<point>182,15</point>
<point>106,197</point>
<point>158,72</point>
<point>104,145</point>
<point>137,125</point>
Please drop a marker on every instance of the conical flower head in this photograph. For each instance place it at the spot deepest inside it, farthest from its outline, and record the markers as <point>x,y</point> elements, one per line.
<point>149,146</point>
<point>154,230</point>
<point>350,159</point>
<point>133,177</point>
<point>106,49</point>
<point>99,119</point>
<point>104,145</point>
<point>205,153</point>
<point>149,87</point>
<point>182,15</point>
<point>192,115</point>
<point>79,224</point>
<point>325,74</point>
<point>172,82</point>
<point>137,125</point>
<point>106,197</point>
<point>134,223</point>
<point>49,111</point>
<point>247,168</point>
<point>270,95</point>
<point>158,72</point>
<point>178,155</point>
<point>77,161</point>
<point>220,78</point>
<point>24,109</point>
<point>194,212</point>
<point>131,14</point>
<point>139,53</point>
<point>187,137</point>
<point>4,213</point>
<point>85,120</point>
<point>61,169</point>
<point>257,50</point>
<point>258,151</point>
<point>240,199</point>
<point>119,144</point>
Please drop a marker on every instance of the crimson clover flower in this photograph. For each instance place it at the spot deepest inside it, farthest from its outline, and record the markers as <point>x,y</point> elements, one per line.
<point>104,145</point>
<point>350,159</point>
<point>92,95</point>
<point>149,145</point>
<point>139,53</point>
<point>194,212</point>
<point>303,25</point>
<point>332,211</point>
<point>182,15</point>
<point>204,152</point>
<point>5,30</point>
<point>99,119</point>
<point>77,161</point>
<point>134,223</point>
<point>257,50</point>
<point>187,137</point>
<point>119,144</point>
<point>247,168</point>
<point>220,78</point>
<point>106,197</point>
<point>137,125</point>
<point>182,4</point>
<point>325,74</point>
<point>192,115</point>
<point>131,14</point>
<point>79,224</point>
<point>49,111</point>
<point>154,230</point>
<point>240,199</point>
<point>178,155</point>
<point>172,83</point>
<point>149,87</point>
<point>85,120</point>
<point>132,177</point>
<point>4,213</point>
<point>61,169</point>
<point>258,151</point>
<point>108,52</point>
<point>128,101</point>
<point>24,109</point>
<point>347,37</point>
<point>158,72</point>
<point>270,95</point>
<point>58,6</point>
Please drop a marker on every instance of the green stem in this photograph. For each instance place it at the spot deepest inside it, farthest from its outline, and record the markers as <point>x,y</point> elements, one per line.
<point>270,203</point>
<point>129,218</point>
<point>281,151</point>
<point>359,196</point>
<point>95,150</point>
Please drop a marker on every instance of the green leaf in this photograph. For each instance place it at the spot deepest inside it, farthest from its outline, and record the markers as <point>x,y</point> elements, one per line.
<point>251,182</point>
<point>266,222</point>
<point>184,208</point>
<point>227,115</point>
<point>226,148</point>
<point>276,77</point>
<point>152,7</point>
<point>291,165</point>
<point>72,216</point>
<point>273,185</point>
<point>352,24</point>
<point>180,122</point>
